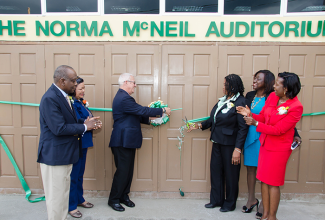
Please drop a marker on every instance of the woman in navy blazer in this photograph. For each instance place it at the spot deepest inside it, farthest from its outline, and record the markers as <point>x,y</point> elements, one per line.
<point>228,134</point>
<point>76,189</point>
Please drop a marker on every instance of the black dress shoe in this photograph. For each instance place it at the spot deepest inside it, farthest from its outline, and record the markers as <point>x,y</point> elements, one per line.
<point>116,207</point>
<point>128,203</point>
<point>210,205</point>
<point>225,210</point>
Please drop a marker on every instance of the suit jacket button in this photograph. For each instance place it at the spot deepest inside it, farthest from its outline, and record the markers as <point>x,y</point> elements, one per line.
<point>78,139</point>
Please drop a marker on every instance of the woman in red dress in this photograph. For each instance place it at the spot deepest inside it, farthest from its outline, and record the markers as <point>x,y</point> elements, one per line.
<point>276,122</point>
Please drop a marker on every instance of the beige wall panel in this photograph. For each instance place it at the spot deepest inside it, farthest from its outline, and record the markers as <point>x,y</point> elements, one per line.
<point>87,65</point>
<point>6,95</point>
<point>200,101</point>
<point>27,64</point>
<point>5,63</point>
<point>5,169</point>
<point>23,80</point>
<point>320,65</point>
<point>201,65</point>
<point>143,62</point>
<point>144,94</point>
<point>260,62</point>
<point>29,114</point>
<point>176,64</point>
<point>144,162</point>
<point>60,59</point>
<point>318,122</point>
<point>316,161</point>
<point>176,97</point>
<point>88,62</point>
<point>297,64</point>
<point>173,160</point>
<point>119,64</point>
<point>199,160</point>
<point>30,148</point>
<point>189,81</point>
<point>235,64</point>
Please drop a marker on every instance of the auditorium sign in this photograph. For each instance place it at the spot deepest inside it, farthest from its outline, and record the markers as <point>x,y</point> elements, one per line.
<point>162,28</point>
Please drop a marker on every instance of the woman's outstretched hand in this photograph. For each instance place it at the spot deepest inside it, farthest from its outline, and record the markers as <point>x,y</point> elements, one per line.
<point>243,111</point>
<point>192,127</point>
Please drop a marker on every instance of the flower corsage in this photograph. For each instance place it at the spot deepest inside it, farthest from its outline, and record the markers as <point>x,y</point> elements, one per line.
<point>162,120</point>
<point>282,110</point>
<point>71,99</point>
<point>229,106</point>
<point>85,103</point>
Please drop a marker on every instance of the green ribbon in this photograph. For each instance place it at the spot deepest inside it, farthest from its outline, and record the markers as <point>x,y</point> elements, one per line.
<point>37,105</point>
<point>92,109</point>
<point>206,118</point>
<point>19,103</point>
<point>101,109</point>
<point>20,176</point>
<point>314,113</point>
<point>198,119</point>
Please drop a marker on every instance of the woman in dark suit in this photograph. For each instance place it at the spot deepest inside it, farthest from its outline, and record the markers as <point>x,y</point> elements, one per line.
<point>76,189</point>
<point>228,134</point>
<point>263,83</point>
<point>276,122</point>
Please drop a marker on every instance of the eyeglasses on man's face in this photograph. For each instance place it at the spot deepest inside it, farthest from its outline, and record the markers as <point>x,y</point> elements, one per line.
<point>131,81</point>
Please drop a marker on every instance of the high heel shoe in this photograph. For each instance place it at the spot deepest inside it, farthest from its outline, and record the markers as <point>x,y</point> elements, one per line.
<point>258,215</point>
<point>249,210</point>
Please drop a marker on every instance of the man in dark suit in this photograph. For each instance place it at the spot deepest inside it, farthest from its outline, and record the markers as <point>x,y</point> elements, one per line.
<point>59,141</point>
<point>126,137</point>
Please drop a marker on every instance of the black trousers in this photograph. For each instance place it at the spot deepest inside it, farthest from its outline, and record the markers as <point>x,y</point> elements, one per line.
<point>124,162</point>
<point>223,173</point>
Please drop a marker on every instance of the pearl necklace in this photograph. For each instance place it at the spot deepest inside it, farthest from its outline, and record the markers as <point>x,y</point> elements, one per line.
<point>253,106</point>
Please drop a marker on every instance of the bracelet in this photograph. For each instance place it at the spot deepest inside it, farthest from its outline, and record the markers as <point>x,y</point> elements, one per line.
<point>236,149</point>
<point>256,123</point>
<point>199,125</point>
<point>164,110</point>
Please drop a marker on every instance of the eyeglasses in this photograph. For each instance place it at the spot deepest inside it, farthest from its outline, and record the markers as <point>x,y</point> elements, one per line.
<point>131,81</point>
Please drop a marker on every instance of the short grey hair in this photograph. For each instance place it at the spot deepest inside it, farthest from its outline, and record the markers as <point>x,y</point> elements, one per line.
<point>61,72</point>
<point>124,77</point>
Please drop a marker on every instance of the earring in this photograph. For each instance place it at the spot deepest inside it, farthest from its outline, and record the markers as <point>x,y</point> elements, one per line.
<point>284,92</point>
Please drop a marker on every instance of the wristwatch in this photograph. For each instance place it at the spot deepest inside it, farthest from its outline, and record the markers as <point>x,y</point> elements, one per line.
<point>256,123</point>
<point>164,110</point>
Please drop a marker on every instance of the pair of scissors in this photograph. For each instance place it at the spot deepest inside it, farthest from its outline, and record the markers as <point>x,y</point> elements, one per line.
<point>188,124</point>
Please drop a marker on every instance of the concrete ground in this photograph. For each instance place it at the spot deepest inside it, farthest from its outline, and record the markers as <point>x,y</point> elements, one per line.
<point>15,207</point>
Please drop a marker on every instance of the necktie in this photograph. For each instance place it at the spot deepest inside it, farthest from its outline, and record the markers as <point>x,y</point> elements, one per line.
<point>67,98</point>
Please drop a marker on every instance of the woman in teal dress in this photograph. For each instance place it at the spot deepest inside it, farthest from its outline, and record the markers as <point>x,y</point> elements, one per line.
<point>252,143</point>
<point>263,85</point>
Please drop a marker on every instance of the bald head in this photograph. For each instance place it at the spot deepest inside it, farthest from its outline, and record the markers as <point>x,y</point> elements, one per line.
<point>61,72</point>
